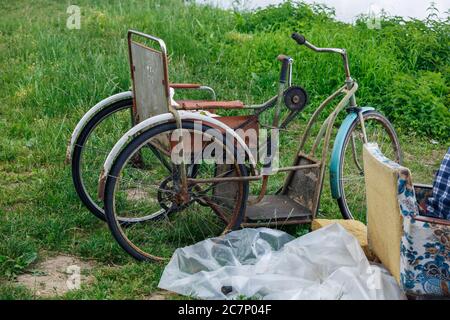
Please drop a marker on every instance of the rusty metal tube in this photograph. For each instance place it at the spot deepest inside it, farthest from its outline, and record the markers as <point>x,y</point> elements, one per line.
<point>262,193</point>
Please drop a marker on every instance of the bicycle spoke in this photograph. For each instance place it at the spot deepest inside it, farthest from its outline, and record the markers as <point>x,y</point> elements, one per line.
<point>352,174</point>
<point>143,191</point>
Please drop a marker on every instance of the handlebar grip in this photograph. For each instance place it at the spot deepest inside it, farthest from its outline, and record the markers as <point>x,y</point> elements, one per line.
<point>299,38</point>
<point>284,67</point>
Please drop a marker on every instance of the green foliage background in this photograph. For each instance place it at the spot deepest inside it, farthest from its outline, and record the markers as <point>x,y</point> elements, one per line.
<point>402,67</point>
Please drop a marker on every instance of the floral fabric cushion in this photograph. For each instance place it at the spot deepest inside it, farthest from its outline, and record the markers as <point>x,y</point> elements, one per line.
<point>425,246</point>
<point>425,258</point>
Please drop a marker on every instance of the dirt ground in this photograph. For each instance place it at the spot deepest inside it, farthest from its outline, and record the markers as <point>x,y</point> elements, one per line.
<point>161,295</point>
<point>56,275</point>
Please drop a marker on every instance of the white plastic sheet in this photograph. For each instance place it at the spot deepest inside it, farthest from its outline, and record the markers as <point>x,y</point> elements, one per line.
<point>270,264</point>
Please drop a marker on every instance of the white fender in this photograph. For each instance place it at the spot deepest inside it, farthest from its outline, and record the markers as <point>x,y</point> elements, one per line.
<point>159,119</point>
<point>90,114</point>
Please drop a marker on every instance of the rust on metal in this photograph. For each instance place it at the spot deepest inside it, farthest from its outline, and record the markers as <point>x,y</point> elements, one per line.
<point>252,177</point>
<point>262,193</point>
<point>185,85</point>
<point>302,187</point>
<point>208,104</point>
<point>276,208</point>
<point>299,199</point>
<point>101,185</point>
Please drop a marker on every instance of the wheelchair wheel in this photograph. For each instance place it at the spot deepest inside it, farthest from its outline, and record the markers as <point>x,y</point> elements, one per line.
<point>150,193</point>
<point>93,146</point>
<point>379,130</point>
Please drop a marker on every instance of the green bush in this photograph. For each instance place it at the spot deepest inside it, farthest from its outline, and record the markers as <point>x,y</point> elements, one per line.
<point>419,104</point>
<point>402,68</point>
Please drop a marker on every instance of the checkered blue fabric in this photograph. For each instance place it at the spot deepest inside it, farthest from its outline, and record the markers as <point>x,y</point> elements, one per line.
<point>439,202</point>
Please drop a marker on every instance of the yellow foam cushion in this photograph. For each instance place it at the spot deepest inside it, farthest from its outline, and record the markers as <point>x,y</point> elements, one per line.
<point>384,220</point>
<point>355,227</point>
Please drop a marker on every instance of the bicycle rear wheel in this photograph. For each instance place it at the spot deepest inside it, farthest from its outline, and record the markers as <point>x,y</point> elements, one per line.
<point>149,191</point>
<point>379,130</point>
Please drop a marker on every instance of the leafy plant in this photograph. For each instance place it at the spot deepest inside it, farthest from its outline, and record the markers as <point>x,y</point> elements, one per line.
<point>419,104</point>
<point>13,266</point>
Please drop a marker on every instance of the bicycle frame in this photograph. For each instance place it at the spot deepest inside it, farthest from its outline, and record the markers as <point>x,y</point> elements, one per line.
<point>323,135</point>
<point>348,102</point>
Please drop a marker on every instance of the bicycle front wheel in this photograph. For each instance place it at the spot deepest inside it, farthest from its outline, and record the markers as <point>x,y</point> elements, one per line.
<point>352,202</point>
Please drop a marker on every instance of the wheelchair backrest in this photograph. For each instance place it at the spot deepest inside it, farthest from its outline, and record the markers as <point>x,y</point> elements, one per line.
<point>149,75</point>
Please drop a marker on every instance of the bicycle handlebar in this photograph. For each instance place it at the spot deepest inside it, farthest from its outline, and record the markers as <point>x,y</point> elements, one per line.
<point>301,40</point>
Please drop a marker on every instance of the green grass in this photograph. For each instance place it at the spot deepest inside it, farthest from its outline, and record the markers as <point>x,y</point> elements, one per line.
<point>50,76</point>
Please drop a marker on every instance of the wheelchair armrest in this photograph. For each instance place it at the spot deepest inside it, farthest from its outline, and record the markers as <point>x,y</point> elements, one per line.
<point>185,85</point>
<point>193,86</point>
<point>209,104</point>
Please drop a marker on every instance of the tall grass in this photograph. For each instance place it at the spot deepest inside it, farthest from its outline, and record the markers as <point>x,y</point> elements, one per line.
<point>50,76</point>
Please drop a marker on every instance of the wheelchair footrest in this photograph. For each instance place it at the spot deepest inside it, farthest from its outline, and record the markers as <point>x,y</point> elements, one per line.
<point>280,208</point>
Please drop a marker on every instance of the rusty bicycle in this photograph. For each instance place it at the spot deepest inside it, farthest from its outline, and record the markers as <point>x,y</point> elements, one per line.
<point>155,202</point>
